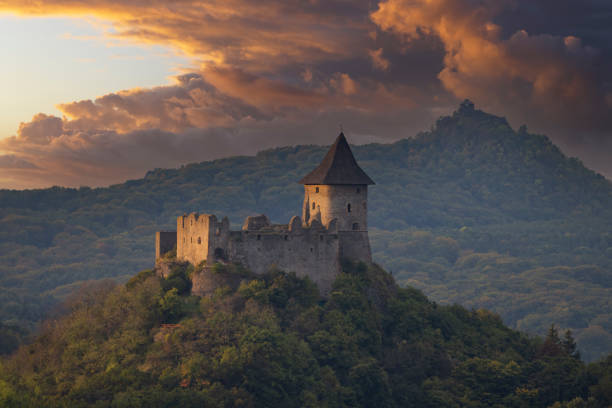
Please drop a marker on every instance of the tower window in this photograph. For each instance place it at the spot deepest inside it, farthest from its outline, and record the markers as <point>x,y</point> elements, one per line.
<point>358,190</point>
<point>355,226</point>
<point>199,240</point>
<point>316,189</point>
<point>313,205</point>
<point>348,208</point>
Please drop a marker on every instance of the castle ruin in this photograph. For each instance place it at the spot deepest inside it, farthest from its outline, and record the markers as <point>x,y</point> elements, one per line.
<point>333,226</point>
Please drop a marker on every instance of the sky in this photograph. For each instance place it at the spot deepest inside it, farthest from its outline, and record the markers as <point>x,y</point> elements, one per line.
<point>95,92</point>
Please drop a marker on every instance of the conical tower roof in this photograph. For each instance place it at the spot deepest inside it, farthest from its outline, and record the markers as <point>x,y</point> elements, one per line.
<point>338,167</point>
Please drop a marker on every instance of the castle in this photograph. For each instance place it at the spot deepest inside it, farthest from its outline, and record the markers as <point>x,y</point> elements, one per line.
<point>333,226</point>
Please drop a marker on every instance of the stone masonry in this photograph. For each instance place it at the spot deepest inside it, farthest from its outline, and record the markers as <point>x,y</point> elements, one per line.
<point>333,226</point>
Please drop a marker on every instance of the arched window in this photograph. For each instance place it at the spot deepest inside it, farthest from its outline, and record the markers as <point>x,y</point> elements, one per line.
<point>348,207</point>
<point>316,189</point>
<point>355,226</point>
<point>199,240</point>
<point>313,205</point>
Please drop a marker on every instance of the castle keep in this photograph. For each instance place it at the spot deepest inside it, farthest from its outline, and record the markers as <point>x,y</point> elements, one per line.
<point>333,226</point>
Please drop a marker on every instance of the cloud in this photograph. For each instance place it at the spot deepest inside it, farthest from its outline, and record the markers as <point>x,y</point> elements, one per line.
<point>342,82</point>
<point>191,102</point>
<point>10,161</point>
<point>282,72</point>
<point>555,76</point>
<point>555,83</point>
<point>42,129</point>
<point>378,60</point>
<point>102,157</point>
<point>261,35</point>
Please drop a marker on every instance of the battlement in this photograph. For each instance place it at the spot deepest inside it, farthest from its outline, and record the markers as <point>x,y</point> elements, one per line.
<point>308,250</point>
<point>333,226</point>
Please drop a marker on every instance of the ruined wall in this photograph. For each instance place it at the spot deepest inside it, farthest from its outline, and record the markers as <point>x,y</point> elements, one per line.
<point>346,203</point>
<point>308,250</point>
<point>164,242</point>
<point>312,252</point>
<point>192,232</point>
<point>199,236</point>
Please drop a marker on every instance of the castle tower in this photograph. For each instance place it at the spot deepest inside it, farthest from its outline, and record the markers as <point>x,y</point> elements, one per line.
<point>338,189</point>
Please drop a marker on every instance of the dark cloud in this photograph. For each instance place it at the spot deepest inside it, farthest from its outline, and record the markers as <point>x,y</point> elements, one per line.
<point>586,19</point>
<point>41,130</point>
<point>190,103</point>
<point>93,156</point>
<point>554,83</point>
<point>10,161</point>
<point>285,72</point>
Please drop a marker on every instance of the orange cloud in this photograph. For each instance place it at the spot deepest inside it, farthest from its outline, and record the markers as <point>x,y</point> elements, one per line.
<point>256,35</point>
<point>556,76</point>
<point>191,102</point>
<point>378,60</point>
<point>278,72</point>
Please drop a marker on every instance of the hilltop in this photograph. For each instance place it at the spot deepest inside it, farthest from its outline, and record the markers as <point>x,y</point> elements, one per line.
<point>272,341</point>
<point>471,212</point>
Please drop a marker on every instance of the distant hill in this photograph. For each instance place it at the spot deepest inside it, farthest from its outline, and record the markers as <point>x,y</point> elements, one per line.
<point>272,341</point>
<point>471,212</point>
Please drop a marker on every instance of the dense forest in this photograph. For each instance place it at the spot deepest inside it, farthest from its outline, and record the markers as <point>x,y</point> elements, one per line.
<point>470,212</point>
<point>272,341</point>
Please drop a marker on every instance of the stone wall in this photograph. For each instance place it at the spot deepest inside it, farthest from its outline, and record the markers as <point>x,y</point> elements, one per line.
<point>346,203</point>
<point>355,245</point>
<point>199,235</point>
<point>205,281</point>
<point>312,251</point>
<point>164,242</point>
<point>334,227</point>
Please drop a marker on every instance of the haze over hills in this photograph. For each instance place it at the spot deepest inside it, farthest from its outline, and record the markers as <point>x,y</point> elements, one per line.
<point>471,212</point>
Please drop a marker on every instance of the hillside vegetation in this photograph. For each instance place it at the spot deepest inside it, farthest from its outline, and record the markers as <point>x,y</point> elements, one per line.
<point>273,342</point>
<point>470,212</point>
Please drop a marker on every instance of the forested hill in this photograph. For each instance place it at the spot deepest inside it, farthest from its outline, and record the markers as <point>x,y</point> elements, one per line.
<point>470,212</point>
<point>271,341</point>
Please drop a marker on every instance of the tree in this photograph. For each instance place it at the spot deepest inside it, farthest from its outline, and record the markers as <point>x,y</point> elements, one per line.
<point>570,345</point>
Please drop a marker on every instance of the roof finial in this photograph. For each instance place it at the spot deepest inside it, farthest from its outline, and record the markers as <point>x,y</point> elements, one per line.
<point>341,129</point>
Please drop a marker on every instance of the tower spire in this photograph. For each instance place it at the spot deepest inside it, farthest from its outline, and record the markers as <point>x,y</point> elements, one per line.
<point>338,167</point>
